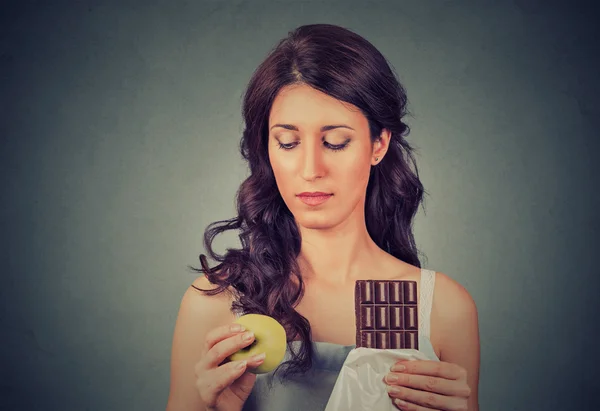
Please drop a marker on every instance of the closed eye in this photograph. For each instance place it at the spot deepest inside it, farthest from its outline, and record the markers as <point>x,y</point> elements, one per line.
<point>336,147</point>
<point>333,147</point>
<point>287,146</point>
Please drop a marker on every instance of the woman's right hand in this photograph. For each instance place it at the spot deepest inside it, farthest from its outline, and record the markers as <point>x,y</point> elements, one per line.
<point>226,387</point>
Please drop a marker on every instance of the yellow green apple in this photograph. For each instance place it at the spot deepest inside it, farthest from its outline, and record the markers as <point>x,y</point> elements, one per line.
<point>269,337</point>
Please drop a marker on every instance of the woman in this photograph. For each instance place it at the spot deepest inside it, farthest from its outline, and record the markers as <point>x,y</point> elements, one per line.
<point>330,200</point>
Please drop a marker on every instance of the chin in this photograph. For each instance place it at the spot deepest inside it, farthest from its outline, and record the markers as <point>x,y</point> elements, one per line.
<point>317,221</point>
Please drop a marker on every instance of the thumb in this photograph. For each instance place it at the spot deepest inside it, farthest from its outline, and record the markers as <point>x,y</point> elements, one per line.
<point>244,384</point>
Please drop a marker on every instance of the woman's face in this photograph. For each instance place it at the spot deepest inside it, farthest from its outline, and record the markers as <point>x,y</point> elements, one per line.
<point>318,144</point>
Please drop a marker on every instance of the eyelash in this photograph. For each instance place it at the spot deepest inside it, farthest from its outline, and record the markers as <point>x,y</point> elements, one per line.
<point>333,147</point>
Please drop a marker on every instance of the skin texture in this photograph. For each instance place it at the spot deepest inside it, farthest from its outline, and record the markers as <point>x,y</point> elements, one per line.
<point>311,163</point>
<point>452,383</point>
<point>204,336</point>
<point>303,158</point>
<point>336,250</point>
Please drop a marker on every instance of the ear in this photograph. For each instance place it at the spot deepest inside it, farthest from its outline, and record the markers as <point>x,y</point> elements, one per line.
<point>380,146</point>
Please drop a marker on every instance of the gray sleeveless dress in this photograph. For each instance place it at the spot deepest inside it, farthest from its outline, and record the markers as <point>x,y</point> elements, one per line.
<point>311,391</point>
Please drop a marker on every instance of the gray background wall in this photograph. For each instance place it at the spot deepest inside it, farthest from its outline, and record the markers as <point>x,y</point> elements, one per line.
<point>120,124</point>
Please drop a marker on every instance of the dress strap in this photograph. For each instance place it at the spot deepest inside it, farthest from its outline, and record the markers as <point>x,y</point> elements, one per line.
<point>426,301</point>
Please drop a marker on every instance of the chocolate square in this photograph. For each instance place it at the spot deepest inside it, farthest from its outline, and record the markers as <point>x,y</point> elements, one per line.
<point>386,314</point>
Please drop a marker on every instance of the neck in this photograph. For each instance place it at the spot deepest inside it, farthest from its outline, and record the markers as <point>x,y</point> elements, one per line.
<point>337,255</point>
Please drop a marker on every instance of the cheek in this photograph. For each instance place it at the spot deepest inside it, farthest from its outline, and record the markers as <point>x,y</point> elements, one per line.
<point>283,171</point>
<point>347,174</point>
<point>350,183</point>
<point>353,174</point>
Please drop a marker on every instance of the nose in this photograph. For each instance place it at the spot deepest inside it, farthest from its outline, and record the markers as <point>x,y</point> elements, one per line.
<point>313,166</point>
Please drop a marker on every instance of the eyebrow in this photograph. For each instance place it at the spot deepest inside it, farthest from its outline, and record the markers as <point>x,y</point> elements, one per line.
<point>324,128</point>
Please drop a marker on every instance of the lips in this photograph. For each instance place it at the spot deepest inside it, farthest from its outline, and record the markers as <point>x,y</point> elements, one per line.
<point>314,194</point>
<point>314,198</point>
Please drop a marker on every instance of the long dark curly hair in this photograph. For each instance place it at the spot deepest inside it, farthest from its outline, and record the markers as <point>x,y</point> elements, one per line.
<point>264,273</point>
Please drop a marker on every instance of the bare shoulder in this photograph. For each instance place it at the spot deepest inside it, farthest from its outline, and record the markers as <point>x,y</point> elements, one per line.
<point>206,308</point>
<point>198,314</point>
<point>202,282</point>
<point>455,321</point>
<point>452,300</point>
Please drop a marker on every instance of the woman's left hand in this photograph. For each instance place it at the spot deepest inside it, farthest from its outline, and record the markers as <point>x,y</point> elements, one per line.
<point>428,386</point>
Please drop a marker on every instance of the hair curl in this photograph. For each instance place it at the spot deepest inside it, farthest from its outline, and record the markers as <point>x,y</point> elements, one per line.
<point>264,273</point>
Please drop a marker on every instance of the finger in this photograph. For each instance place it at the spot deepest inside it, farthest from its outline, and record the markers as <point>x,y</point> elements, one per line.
<point>220,333</point>
<point>428,383</point>
<point>256,360</point>
<point>433,368</point>
<point>242,387</point>
<point>219,379</point>
<point>426,399</point>
<point>407,406</point>
<point>223,349</point>
<point>244,380</point>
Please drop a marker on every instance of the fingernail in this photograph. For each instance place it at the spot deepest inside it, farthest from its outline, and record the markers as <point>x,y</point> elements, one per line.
<point>399,402</point>
<point>248,336</point>
<point>236,328</point>
<point>398,368</point>
<point>259,357</point>
<point>392,389</point>
<point>391,378</point>
<point>241,365</point>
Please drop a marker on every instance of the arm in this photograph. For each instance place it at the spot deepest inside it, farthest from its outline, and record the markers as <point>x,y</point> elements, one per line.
<point>459,332</point>
<point>198,314</point>
<point>450,384</point>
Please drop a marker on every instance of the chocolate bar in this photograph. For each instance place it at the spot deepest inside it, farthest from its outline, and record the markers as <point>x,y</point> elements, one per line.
<point>386,314</point>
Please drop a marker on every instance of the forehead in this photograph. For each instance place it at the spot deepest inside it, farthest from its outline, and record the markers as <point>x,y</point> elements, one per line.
<point>307,108</point>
